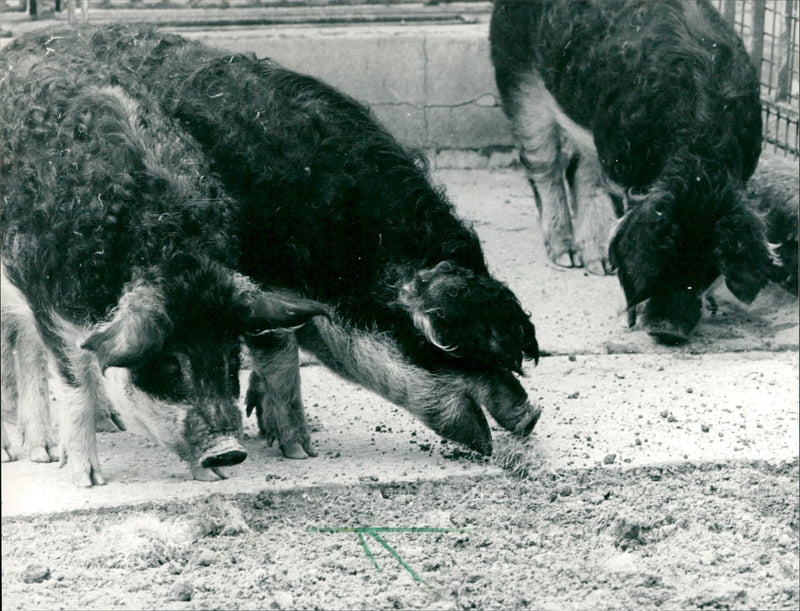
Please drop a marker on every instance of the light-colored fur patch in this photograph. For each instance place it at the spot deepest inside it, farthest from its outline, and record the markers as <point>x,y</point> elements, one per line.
<point>25,390</point>
<point>575,218</point>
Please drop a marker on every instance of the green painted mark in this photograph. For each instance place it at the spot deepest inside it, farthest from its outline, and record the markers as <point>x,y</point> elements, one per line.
<point>373,531</point>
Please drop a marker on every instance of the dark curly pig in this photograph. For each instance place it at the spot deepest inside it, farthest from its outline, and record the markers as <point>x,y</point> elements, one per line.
<point>774,193</point>
<point>118,251</point>
<point>661,95</point>
<point>331,206</point>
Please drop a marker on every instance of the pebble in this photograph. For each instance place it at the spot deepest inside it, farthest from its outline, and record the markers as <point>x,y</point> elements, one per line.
<point>705,428</point>
<point>173,569</point>
<point>35,573</point>
<point>181,590</point>
<point>664,413</point>
<point>206,558</point>
<point>624,562</point>
<point>609,459</point>
<point>282,600</point>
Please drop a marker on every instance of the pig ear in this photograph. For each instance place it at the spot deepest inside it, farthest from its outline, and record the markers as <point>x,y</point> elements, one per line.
<point>642,246</point>
<point>138,327</point>
<point>276,310</point>
<point>264,310</point>
<point>744,257</point>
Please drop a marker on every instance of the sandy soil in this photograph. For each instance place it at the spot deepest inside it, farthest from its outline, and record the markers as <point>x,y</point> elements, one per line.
<point>710,536</point>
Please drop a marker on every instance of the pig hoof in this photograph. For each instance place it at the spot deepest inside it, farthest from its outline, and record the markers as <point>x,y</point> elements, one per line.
<point>668,332</point>
<point>294,451</point>
<point>42,454</point>
<point>106,425</point>
<point>525,426</point>
<point>598,267</point>
<point>219,473</point>
<point>88,478</point>
<point>564,260</point>
<point>299,450</point>
<point>310,449</point>
<point>8,455</point>
<point>205,475</point>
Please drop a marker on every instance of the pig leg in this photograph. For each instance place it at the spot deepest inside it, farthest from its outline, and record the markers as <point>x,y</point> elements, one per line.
<point>8,393</point>
<point>538,135</point>
<point>594,212</point>
<point>274,393</point>
<point>80,394</point>
<point>33,408</point>
<point>7,454</point>
<point>25,389</point>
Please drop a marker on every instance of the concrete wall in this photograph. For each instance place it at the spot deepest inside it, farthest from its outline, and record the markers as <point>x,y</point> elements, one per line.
<point>431,85</point>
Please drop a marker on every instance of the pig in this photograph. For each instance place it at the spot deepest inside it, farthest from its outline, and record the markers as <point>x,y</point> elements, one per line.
<point>119,253</point>
<point>647,111</point>
<point>332,207</point>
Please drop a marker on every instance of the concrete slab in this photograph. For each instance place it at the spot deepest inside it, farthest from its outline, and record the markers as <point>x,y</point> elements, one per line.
<point>731,394</point>
<point>640,409</point>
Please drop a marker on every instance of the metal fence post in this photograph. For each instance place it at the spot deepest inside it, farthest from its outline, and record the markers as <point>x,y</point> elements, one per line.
<point>757,53</point>
<point>785,73</point>
<point>729,11</point>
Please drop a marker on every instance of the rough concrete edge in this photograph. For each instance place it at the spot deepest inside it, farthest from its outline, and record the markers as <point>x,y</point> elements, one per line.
<point>777,465</point>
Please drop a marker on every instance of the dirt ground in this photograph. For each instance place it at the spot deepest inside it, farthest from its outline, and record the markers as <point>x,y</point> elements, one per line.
<point>657,477</point>
<point>709,536</point>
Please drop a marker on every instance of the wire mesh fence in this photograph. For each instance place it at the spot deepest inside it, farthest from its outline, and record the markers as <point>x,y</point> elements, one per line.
<point>770,30</point>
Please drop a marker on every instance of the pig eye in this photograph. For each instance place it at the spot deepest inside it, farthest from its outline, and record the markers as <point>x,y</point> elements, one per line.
<point>161,377</point>
<point>234,362</point>
<point>169,365</point>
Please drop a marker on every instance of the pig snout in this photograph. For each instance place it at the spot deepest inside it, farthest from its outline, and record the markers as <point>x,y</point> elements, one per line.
<point>224,452</point>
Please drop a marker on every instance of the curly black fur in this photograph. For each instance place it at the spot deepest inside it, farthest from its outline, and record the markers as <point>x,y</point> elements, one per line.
<point>118,237</point>
<point>330,205</point>
<point>672,101</point>
<point>774,193</point>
